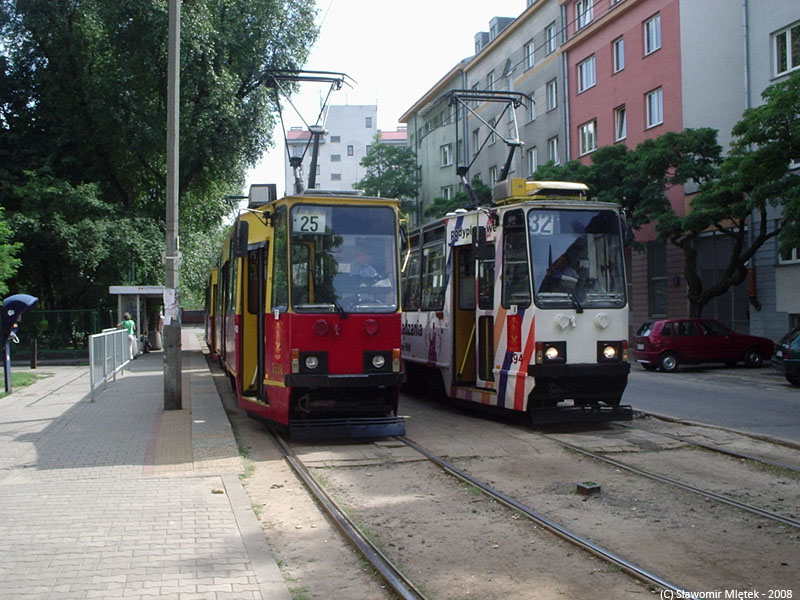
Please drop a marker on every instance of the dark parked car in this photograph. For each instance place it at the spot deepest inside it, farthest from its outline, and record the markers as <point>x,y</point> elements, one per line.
<point>787,356</point>
<point>668,343</point>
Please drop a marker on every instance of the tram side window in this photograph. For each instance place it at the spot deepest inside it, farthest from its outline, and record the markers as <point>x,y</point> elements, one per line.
<point>516,282</point>
<point>280,290</point>
<point>486,282</point>
<point>411,277</point>
<point>433,270</point>
<point>252,282</point>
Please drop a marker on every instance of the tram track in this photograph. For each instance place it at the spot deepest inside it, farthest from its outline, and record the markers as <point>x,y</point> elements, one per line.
<point>401,585</point>
<point>717,449</point>
<point>390,573</point>
<point>679,484</point>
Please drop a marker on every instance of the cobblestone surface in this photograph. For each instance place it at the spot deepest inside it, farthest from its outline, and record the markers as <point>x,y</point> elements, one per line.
<point>118,498</point>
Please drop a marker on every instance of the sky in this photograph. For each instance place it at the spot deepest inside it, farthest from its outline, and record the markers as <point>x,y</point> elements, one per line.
<point>395,52</point>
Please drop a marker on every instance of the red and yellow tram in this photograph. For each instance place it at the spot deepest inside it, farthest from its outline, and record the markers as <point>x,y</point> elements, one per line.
<point>304,313</point>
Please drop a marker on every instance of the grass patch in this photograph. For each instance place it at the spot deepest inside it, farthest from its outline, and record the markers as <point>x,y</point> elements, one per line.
<point>21,379</point>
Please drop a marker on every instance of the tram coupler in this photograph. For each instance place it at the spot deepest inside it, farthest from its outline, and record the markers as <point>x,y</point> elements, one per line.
<point>580,414</point>
<point>361,427</point>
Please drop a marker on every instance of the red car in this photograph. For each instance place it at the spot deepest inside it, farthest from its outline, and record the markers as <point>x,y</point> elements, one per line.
<point>671,342</point>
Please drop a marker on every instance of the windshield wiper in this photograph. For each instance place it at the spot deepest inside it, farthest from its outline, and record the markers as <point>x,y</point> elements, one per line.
<point>575,303</point>
<point>340,310</point>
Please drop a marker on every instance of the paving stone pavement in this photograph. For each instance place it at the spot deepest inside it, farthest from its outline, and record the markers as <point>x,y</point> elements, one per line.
<point>117,498</point>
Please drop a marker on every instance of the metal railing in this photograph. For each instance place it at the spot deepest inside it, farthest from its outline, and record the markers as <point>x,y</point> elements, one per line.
<point>108,355</point>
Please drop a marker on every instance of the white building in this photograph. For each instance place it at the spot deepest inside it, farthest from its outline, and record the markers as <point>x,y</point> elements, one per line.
<point>349,131</point>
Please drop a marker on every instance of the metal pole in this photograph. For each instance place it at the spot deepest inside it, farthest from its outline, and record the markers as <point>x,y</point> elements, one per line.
<point>172,331</point>
<point>7,367</point>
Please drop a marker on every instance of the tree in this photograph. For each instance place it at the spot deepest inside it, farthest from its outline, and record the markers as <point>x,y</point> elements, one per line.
<point>8,255</point>
<point>83,109</point>
<point>439,207</point>
<point>391,171</point>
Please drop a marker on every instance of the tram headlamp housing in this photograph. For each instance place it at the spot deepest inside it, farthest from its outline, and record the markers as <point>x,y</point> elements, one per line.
<point>612,352</point>
<point>309,362</point>
<point>379,361</point>
<point>551,352</point>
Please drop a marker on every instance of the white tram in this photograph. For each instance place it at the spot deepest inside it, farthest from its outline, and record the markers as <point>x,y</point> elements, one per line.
<point>522,306</point>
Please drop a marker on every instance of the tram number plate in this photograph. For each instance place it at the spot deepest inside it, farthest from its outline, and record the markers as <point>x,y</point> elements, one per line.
<point>640,346</point>
<point>309,220</point>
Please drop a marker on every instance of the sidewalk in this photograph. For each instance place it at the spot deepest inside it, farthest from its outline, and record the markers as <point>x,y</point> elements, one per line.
<point>119,499</point>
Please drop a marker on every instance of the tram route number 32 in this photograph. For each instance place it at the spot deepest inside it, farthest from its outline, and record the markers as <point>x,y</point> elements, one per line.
<point>309,221</point>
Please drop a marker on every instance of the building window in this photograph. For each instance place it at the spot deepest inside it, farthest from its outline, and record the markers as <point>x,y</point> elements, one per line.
<point>350,150</point>
<point>586,74</point>
<point>492,133</point>
<point>552,150</point>
<point>490,81</point>
<point>652,34</point>
<point>618,53</point>
<point>336,158</point>
<point>492,176</point>
<point>336,176</point>
<point>368,122</point>
<point>787,49</point>
<point>532,110</point>
<point>620,123</point>
<point>335,139</point>
<point>447,154</point>
<point>584,13</point>
<point>550,40</point>
<point>528,52</point>
<point>531,160</point>
<point>476,141</point>
<point>587,134</point>
<point>552,94</point>
<point>655,107</point>
<point>789,256</point>
<point>447,192</point>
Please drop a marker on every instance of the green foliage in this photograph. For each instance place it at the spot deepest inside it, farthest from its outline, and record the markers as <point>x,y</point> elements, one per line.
<point>391,171</point>
<point>439,207</point>
<point>8,255</point>
<point>199,256</point>
<point>83,115</point>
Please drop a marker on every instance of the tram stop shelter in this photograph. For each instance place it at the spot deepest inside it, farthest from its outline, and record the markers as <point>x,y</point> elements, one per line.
<point>143,302</point>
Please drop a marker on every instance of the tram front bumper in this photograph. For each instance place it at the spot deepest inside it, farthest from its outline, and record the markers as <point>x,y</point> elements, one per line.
<point>305,380</point>
<point>580,382</point>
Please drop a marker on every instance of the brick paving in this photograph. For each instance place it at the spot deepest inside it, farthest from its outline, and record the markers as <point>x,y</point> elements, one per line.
<point>118,498</point>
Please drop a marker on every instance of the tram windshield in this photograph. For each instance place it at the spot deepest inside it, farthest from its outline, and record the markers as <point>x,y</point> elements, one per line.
<point>343,259</point>
<point>577,258</point>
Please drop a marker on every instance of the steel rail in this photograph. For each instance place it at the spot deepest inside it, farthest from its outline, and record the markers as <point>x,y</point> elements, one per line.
<point>567,534</point>
<point>685,486</point>
<point>718,449</point>
<point>392,576</point>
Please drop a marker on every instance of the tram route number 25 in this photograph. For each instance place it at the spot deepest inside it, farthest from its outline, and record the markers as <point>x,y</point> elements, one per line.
<point>307,220</point>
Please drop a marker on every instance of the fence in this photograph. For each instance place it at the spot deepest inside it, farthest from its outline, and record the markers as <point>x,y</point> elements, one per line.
<point>108,355</point>
<point>61,336</point>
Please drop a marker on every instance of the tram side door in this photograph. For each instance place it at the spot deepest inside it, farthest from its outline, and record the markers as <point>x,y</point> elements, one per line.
<point>253,316</point>
<point>485,314</point>
<point>464,316</point>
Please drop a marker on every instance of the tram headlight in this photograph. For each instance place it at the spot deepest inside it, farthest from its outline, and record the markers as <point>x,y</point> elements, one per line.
<point>312,362</point>
<point>616,351</point>
<point>379,361</point>
<point>551,352</point>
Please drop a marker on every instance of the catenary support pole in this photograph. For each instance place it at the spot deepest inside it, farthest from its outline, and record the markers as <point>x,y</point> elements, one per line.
<point>172,329</point>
